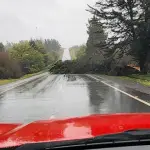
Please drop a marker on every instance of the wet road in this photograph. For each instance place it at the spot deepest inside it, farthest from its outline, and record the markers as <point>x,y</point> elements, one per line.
<point>59,96</point>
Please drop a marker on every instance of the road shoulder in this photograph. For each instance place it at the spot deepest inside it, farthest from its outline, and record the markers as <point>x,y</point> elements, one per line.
<point>9,86</point>
<point>125,83</point>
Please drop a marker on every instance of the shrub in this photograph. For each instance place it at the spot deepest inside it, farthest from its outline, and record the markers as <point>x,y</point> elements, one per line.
<point>9,68</point>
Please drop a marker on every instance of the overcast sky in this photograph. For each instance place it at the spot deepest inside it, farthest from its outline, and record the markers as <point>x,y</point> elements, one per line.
<point>64,20</point>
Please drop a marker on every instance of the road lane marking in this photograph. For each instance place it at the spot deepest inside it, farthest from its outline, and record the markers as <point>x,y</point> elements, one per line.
<point>134,97</point>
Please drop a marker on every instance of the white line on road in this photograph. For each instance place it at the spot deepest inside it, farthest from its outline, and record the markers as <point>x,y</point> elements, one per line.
<point>136,98</point>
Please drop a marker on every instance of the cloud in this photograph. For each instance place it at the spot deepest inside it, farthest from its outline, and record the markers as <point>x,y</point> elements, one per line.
<point>64,20</point>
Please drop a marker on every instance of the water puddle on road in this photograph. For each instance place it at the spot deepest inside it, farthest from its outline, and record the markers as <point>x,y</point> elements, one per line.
<point>63,96</point>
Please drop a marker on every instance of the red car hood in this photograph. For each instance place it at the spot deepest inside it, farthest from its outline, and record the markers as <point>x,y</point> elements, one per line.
<point>70,129</point>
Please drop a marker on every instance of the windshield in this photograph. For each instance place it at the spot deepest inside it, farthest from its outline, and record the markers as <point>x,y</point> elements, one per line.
<point>71,59</point>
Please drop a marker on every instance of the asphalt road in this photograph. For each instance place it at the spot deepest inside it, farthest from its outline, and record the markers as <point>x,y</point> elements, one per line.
<point>62,96</point>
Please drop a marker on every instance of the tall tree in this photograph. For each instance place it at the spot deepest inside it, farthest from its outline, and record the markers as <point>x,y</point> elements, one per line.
<point>96,43</point>
<point>128,22</point>
<point>141,49</point>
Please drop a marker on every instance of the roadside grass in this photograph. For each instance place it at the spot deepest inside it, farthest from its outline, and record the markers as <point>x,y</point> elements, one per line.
<point>142,79</point>
<point>6,81</point>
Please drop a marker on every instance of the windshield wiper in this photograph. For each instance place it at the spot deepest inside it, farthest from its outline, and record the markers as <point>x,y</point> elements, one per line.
<point>137,134</point>
<point>130,136</point>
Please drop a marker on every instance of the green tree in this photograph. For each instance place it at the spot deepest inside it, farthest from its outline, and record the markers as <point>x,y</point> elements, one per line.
<point>77,52</point>
<point>30,59</point>
<point>34,61</point>
<point>9,68</point>
<point>73,51</point>
<point>52,45</point>
<point>128,22</point>
<point>2,48</point>
<point>96,44</point>
<point>81,52</point>
<point>141,45</point>
<point>38,45</point>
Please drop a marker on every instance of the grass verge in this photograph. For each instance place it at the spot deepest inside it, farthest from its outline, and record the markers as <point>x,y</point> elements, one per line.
<point>142,79</point>
<point>6,81</point>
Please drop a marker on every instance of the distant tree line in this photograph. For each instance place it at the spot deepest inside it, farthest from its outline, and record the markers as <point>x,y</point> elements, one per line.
<point>77,52</point>
<point>25,57</point>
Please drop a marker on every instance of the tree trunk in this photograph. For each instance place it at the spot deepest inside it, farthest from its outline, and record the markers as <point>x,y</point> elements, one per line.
<point>144,64</point>
<point>144,68</point>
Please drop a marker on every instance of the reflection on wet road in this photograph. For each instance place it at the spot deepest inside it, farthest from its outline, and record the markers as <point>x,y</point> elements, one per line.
<point>61,96</point>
